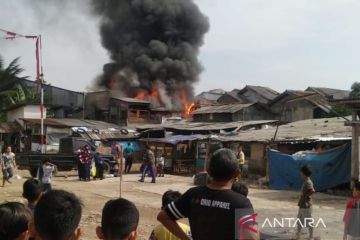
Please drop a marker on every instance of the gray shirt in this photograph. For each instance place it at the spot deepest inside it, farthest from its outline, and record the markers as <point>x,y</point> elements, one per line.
<point>307,190</point>
<point>8,160</point>
<point>48,170</point>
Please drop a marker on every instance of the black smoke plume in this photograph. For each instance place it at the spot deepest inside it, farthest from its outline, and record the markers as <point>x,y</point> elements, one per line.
<point>153,44</point>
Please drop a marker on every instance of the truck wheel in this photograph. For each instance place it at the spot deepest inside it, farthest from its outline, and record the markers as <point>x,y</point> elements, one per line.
<point>107,168</point>
<point>33,172</point>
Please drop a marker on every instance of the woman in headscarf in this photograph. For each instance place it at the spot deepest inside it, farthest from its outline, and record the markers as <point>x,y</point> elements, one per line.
<point>84,162</point>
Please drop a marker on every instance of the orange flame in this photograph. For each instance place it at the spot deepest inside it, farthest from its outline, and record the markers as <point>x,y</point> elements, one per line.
<point>188,107</point>
<point>153,95</point>
<point>141,95</point>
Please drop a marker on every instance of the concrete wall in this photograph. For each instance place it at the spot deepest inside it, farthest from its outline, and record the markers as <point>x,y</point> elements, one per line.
<point>29,111</point>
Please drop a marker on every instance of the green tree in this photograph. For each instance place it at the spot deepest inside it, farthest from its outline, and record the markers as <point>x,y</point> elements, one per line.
<point>355,90</point>
<point>12,89</point>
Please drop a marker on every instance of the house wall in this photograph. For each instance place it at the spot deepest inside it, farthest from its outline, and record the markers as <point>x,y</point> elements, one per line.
<point>257,162</point>
<point>249,114</point>
<point>97,106</point>
<point>253,113</point>
<point>295,111</point>
<point>213,117</point>
<point>30,111</point>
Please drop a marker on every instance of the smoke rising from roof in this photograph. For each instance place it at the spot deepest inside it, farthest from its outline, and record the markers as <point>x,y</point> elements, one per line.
<point>153,46</point>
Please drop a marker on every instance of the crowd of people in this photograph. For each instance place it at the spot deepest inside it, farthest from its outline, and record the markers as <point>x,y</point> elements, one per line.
<point>211,210</point>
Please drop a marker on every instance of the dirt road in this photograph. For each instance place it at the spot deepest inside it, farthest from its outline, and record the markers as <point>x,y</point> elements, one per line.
<point>147,197</point>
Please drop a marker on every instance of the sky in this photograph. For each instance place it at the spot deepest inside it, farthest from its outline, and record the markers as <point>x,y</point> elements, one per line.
<point>282,44</point>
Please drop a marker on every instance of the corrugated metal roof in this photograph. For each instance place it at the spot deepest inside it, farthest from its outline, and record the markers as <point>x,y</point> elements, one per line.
<point>302,131</point>
<point>211,95</point>
<point>69,122</point>
<point>64,122</point>
<point>106,135</point>
<point>131,100</point>
<point>229,108</point>
<point>205,126</point>
<point>330,93</point>
<point>234,95</point>
<point>175,139</point>
<point>265,92</point>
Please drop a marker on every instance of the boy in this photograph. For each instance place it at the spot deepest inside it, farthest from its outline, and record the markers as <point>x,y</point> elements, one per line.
<point>241,188</point>
<point>211,209</point>
<point>128,152</point>
<point>305,201</point>
<point>160,165</point>
<point>120,219</point>
<point>8,164</point>
<point>14,220</point>
<point>32,191</point>
<point>57,216</point>
<point>241,157</point>
<point>161,232</point>
<point>352,215</point>
<point>48,169</point>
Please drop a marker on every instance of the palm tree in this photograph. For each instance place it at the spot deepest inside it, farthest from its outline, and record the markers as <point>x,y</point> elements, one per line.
<point>12,89</point>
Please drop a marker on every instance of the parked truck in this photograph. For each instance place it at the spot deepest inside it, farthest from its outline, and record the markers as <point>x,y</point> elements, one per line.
<point>66,159</point>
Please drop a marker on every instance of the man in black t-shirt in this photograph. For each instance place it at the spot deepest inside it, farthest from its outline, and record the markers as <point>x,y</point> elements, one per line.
<point>211,209</point>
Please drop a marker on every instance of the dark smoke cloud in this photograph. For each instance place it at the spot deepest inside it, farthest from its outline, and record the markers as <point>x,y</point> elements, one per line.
<point>152,44</point>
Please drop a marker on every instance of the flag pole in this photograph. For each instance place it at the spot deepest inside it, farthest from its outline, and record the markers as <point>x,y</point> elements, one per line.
<point>121,169</point>
<point>40,79</point>
<point>9,35</point>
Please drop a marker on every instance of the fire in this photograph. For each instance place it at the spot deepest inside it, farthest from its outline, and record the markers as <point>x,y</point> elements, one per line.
<point>152,96</point>
<point>141,95</point>
<point>188,107</point>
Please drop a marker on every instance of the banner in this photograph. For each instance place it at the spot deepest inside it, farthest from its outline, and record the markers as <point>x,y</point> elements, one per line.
<point>329,169</point>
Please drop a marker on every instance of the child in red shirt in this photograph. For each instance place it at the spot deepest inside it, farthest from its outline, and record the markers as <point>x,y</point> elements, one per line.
<point>352,216</point>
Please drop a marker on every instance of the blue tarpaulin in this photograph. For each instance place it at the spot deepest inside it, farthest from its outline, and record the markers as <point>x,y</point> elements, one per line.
<point>330,168</point>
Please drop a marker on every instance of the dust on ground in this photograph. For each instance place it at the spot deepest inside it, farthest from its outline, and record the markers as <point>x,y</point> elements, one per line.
<point>147,197</point>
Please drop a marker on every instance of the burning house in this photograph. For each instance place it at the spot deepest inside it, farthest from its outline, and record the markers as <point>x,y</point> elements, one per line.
<point>108,106</point>
<point>153,50</point>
